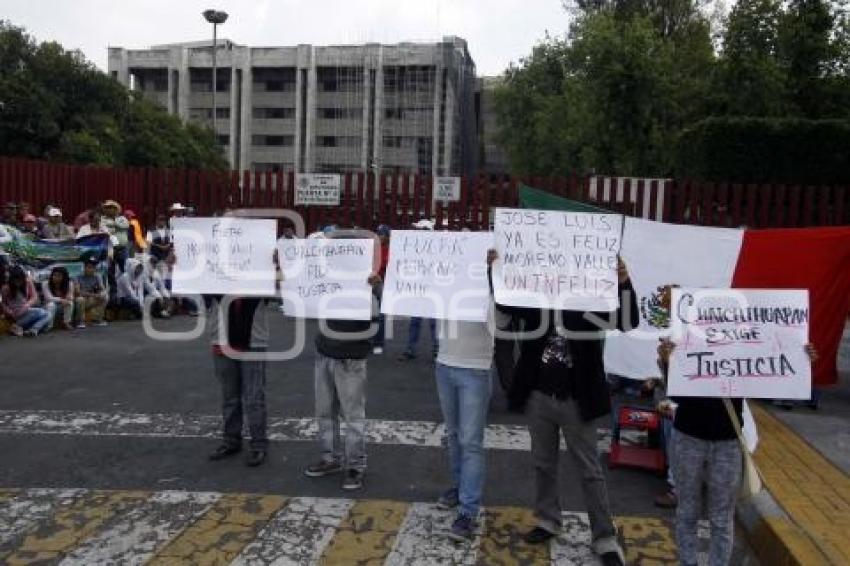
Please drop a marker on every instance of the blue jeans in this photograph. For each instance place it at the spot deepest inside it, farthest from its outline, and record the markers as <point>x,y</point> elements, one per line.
<point>414,331</point>
<point>464,399</point>
<point>34,319</point>
<point>381,337</point>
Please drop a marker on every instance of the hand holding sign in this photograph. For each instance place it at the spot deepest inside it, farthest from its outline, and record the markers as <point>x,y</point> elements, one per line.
<point>740,343</point>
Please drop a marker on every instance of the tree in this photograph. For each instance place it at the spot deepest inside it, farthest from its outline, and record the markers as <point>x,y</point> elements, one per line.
<point>58,106</point>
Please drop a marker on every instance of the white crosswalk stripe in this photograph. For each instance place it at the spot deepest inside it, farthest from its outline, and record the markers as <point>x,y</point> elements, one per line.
<point>297,535</point>
<point>423,539</point>
<point>143,530</point>
<point>427,434</point>
<point>19,514</point>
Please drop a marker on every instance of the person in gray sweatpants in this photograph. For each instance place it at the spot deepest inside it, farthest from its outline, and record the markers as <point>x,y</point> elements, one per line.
<point>342,347</point>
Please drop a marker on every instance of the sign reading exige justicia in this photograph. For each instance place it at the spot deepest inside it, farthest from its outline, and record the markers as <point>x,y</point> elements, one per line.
<point>740,343</point>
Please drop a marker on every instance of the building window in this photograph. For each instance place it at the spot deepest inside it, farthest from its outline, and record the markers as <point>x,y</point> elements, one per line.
<point>272,141</point>
<point>400,141</point>
<point>340,113</point>
<point>223,139</point>
<point>273,113</point>
<point>160,85</point>
<point>337,141</point>
<point>222,113</point>
<point>200,113</point>
<point>273,167</point>
<point>280,86</point>
<point>340,79</point>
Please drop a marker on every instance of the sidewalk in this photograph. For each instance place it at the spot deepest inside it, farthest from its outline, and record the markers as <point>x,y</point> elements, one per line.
<point>804,457</point>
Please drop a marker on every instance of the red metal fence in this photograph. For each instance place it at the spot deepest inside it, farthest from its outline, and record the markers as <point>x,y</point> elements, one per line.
<point>399,200</point>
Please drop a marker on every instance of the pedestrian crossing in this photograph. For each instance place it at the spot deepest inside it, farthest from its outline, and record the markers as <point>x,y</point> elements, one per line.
<point>99,527</point>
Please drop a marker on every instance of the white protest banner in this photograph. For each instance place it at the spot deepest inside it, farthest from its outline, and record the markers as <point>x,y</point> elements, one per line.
<point>439,275</point>
<point>740,343</point>
<point>317,190</point>
<point>447,189</point>
<point>556,259</point>
<point>224,256</point>
<point>327,278</point>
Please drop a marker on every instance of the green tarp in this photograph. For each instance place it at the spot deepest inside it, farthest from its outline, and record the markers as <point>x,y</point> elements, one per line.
<point>529,197</point>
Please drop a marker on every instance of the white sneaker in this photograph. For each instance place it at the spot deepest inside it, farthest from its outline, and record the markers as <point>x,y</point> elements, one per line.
<point>377,350</point>
<point>81,326</point>
<point>101,323</point>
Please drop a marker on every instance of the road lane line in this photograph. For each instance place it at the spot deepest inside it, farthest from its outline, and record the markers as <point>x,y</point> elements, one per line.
<point>423,539</point>
<point>383,432</point>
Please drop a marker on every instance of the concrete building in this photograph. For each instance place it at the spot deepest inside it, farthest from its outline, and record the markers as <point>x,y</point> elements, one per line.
<point>397,108</point>
<point>492,158</point>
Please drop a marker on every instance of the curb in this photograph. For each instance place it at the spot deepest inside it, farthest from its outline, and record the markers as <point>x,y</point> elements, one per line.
<point>773,535</point>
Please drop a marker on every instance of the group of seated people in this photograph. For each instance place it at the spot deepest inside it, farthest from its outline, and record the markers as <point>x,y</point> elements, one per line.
<point>137,268</point>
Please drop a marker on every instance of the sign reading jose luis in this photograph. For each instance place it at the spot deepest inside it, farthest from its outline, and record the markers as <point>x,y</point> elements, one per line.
<point>740,343</point>
<point>317,190</point>
<point>447,189</point>
<point>556,259</point>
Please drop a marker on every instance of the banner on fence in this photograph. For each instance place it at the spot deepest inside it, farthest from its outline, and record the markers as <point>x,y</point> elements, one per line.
<point>439,275</point>
<point>447,189</point>
<point>740,343</point>
<point>556,259</point>
<point>317,190</point>
<point>39,257</point>
<point>327,278</point>
<point>224,256</point>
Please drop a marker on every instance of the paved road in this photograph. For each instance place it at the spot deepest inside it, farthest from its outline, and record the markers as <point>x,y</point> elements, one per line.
<point>124,422</point>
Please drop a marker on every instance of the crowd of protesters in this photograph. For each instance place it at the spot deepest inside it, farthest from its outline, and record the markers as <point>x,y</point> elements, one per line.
<point>138,265</point>
<point>557,380</point>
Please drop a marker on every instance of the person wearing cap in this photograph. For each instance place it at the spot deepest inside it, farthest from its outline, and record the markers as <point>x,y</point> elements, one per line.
<point>91,295</point>
<point>118,226</point>
<point>177,210</point>
<point>55,229</point>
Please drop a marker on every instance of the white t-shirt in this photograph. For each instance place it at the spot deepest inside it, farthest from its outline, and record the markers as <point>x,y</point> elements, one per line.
<point>466,344</point>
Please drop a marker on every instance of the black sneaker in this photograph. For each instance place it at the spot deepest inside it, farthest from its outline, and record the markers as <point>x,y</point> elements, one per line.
<point>463,529</point>
<point>224,451</point>
<point>613,558</point>
<point>255,458</point>
<point>321,469</point>
<point>353,480</point>
<point>448,500</point>
<point>406,356</point>
<point>537,535</point>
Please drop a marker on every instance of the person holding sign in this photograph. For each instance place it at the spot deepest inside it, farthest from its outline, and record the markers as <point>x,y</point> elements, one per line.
<point>707,450</point>
<point>561,375</point>
<point>464,387</point>
<point>342,347</point>
<point>239,326</point>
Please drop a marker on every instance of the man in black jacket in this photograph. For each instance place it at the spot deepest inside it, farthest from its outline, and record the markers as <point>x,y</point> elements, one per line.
<point>561,377</point>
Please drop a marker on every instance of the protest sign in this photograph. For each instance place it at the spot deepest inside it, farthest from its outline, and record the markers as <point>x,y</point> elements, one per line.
<point>438,275</point>
<point>317,190</point>
<point>327,278</point>
<point>556,259</point>
<point>224,256</point>
<point>447,189</point>
<point>740,343</point>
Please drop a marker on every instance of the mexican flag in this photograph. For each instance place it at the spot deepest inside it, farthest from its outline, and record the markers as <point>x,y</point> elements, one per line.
<point>659,254</point>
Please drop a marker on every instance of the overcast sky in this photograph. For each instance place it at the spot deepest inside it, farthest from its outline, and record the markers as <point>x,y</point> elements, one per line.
<point>497,31</point>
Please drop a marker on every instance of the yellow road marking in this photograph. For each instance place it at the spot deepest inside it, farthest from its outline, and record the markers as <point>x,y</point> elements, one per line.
<point>367,535</point>
<point>71,525</point>
<point>501,541</point>
<point>814,492</point>
<point>648,540</point>
<point>221,533</point>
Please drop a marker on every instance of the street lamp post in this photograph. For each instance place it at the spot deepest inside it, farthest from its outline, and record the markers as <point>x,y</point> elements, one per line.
<point>215,17</point>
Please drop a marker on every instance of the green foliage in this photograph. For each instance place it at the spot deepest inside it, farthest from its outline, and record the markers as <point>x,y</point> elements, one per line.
<point>632,75</point>
<point>766,150</point>
<point>58,106</point>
